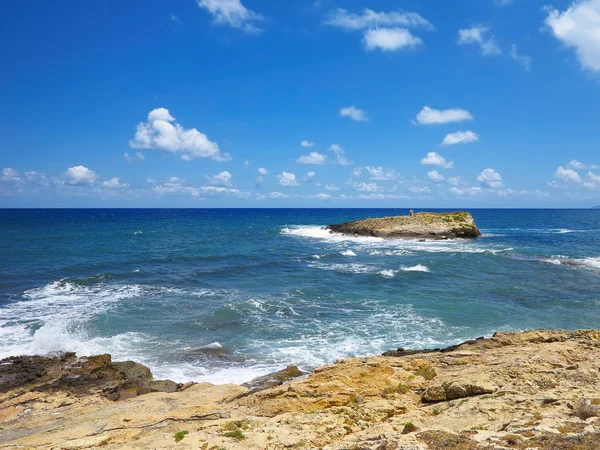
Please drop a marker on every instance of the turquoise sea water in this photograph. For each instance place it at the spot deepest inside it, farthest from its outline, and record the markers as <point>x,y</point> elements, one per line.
<point>227,295</point>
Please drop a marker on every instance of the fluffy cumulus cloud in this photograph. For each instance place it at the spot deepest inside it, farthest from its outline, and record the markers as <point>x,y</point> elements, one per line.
<point>354,113</point>
<point>162,132</point>
<point>578,27</point>
<point>490,178</point>
<point>381,173</point>
<point>460,137</point>
<point>386,31</point>
<point>221,179</point>
<point>367,187</point>
<point>434,175</point>
<point>9,174</point>
<point>313,158</point>
<point>525,61</point>
<point>431,116</point>
<point>307,144</point>
<point>263,171</point>
<point>567,174</point>
<point>434,159</point>
<point>80,175</point>
<point>340,155</point>
<point>390,39</point>
<point>115,183</point>
<point>232,13</point>
<point>571,177</point>
<point>478,35</point>
<point>287,179</point>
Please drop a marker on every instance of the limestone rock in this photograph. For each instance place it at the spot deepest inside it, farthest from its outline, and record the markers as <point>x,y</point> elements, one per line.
<point>422,225</point>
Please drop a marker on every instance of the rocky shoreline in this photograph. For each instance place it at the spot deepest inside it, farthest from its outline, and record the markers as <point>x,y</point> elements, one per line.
<point>423,225</point>
<point>529,390</point>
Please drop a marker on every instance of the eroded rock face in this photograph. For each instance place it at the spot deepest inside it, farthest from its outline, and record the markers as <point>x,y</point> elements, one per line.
<point>422,225</point>
<point>66,372</point>
<point>531,390</point>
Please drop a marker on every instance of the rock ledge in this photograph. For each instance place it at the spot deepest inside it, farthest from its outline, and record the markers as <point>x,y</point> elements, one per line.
<point>423,225</point>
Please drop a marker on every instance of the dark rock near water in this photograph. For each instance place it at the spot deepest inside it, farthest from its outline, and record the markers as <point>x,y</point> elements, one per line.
<point>274,379</point>
<point>422,225</point>
<point>79,376</point>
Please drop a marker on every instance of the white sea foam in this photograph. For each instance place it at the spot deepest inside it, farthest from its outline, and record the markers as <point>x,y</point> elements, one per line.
<point>387,273</point>
<point>417,268</point>
<point>347,253</point>
<point>388,247</point>
<point>593,263</point>
<point>348,268</point>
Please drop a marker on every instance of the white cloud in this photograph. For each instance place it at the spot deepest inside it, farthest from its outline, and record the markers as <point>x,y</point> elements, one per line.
<point>307,144</point>
<point>434,175</point>
<point>567,174</point>
<point>381,173</point>
<point>10,174</point>
<point>578,27</point>
<point>310,174</point>
<point>322,196</point>
<point>221,179</point>
<point>262,171</point>
<point>150,180</point>
<point>574,164</point>
<point>340,155</point>
<point>525,61</point>
<point>367,187</point>
<point>476,35</point>
<point>272,195</point>
<point>460,137</point>
<point>287,179</point>
<point>313,158</point>
<point>592,176</point>
<point>138,156</point>
<point>430,116</point>
<point>232,13</point>
<point>455,181</point>
<point>332,187</point>
<point>246,164</point>
<point>80,175</point>
<point>390,39</point>
<point>490,178</point>
<point>161,132</point>
<point>420,190</point>
<point>465,191</point>
<point>341,18</point>
<point>354,113</point>
<point>356,172</point>
<point>434,159</point>
<point>115,183</point>
<point>175,186</point>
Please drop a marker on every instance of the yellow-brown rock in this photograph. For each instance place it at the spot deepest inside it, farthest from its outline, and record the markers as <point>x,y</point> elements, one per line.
<point>514,390</point>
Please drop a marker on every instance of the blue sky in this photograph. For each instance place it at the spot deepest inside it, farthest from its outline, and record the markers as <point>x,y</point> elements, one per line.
<point>345,103</point>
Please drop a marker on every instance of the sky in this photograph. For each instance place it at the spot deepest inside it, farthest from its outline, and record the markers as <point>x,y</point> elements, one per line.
<point>300,103</point>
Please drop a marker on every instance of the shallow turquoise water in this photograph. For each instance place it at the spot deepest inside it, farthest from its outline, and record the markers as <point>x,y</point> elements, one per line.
<point>226,295</point>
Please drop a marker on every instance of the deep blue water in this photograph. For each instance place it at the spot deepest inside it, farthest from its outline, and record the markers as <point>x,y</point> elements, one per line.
<point>226,295</point>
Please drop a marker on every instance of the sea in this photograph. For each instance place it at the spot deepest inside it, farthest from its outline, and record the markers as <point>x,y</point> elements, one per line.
<point>226,295</point>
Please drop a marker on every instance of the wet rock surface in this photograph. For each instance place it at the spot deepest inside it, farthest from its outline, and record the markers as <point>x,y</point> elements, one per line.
<point>65,372</point>
<point>423,225</point>
<point>530,390</point>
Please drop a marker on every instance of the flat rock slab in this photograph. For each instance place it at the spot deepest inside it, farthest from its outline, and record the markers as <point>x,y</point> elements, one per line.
<point>423,225</point>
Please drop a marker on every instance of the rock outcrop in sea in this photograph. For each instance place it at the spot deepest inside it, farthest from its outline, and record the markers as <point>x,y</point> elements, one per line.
<point>530,390</point>
<point>423,225</point>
